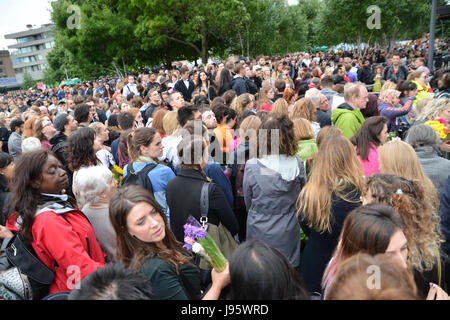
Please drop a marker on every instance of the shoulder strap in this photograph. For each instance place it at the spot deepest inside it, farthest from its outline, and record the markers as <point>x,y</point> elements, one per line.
<point>130,169</point>
<point>204,200</point>
<point>149,167</point>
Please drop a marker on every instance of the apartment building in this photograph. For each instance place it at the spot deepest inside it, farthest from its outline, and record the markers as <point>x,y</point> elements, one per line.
<point>28,55</point>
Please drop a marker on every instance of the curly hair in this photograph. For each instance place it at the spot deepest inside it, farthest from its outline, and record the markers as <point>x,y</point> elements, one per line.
<point>421,223</point>
<point>81,149</point>
<point>399,158</point>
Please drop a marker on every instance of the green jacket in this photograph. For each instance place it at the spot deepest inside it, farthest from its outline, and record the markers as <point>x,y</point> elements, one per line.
<point>306,148</point>
<point>166,283</point>
<point>347,119</point>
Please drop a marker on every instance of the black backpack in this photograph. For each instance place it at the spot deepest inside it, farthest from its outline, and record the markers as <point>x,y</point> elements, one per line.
<point>139,178</point>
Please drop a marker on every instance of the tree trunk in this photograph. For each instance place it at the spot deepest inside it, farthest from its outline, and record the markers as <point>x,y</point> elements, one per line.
<point>167,55</point>
<point>241,43</point>
<point>204,48</point>
<point>248,46</point>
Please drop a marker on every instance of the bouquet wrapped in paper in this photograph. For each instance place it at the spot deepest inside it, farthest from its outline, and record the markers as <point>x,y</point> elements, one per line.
<point>197,240</point>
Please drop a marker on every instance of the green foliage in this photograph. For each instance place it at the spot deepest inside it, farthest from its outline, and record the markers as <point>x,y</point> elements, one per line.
<point>28,82</point>
<point>119,36</point>
<point>122,36</point>
<point>346,20</point>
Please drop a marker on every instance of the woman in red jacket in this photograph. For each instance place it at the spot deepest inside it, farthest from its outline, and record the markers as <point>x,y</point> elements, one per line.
<point>60,235</point>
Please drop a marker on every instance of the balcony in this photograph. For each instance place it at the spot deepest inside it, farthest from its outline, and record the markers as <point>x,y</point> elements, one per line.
<point>31,43</point>
<point>28,64</point>
<point>43,52</point>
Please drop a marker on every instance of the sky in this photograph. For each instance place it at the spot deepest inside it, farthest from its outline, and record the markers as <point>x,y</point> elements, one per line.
<point>16,14</point>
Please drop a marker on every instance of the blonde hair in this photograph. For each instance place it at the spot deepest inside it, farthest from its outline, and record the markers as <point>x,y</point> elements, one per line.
<point>262,96</point>
<point>421,104</point>
<point>350,283</point>
<point>280,106</point>
<point>239,103</point>
<point>399,158</point>
<point>249,125</point>
<point>170,122</point>
<point>352,89</point>
<point>420,225</point>
<point>387,86</point>
<point>432,110</point>
<point>303,129</point>
<point>335,168</point>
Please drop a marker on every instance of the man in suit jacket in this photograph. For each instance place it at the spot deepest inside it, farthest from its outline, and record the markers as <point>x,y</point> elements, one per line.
<point>185,86</point>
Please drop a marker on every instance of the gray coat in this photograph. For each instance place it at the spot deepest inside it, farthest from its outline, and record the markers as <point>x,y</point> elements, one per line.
<point>271,204</point>
<point>15,145</point>
<point>435,167</point>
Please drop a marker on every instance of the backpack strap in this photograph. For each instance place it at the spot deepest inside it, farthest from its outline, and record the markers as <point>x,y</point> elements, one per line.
<point>149,167</point>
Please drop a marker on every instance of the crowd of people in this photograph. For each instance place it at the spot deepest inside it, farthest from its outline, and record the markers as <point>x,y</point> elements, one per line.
<point>319,165</point>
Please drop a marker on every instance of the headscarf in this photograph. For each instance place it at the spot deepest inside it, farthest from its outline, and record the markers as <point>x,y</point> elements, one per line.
<point>389,95</point>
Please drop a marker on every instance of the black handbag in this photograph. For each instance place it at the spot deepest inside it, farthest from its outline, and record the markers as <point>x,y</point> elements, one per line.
<point>23,257</point>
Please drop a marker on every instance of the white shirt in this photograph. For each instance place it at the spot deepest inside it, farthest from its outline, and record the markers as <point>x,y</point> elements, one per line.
<point>186,83</point>
<point>130,88</point>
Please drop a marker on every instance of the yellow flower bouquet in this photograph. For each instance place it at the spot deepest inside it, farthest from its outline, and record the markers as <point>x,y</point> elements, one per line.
<point>440,127</point>
<point>117,174</point>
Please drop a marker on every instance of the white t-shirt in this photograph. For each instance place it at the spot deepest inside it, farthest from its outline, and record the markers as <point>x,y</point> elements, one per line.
<point>106,158</point>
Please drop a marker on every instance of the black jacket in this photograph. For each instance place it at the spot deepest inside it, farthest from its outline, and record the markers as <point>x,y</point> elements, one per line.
<point>4,136</point>
<point>183,199</point>
<point>239,86</point>
<point>149,112</point>
<point>324,118</point>
<point>320,246</point>
<point>181,87</point>
<point>402,73</point>
<point>58,142</point>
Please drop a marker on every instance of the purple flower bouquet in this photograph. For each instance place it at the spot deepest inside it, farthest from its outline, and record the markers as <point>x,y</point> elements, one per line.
<point>197,240</point>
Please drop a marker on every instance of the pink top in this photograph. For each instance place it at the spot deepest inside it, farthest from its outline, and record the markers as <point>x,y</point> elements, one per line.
<point>234,144</point>
<point>371,165</point>
<point>266,107</point>
<point>46,145</point>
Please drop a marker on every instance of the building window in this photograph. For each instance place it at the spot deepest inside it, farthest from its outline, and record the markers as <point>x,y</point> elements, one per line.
<point>1,62</point>
<point>25,49</point>
<point>24,39</point>
<point>49,45</point>
<point>1,70</point>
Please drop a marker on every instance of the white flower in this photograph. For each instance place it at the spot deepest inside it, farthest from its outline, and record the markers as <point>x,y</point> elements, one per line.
<point>198,249</point>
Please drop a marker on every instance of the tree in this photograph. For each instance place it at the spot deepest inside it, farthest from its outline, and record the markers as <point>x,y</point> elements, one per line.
<point>196,25</point>
<point>28,81</point>
<point>346,21</point>
<point>123,36</point>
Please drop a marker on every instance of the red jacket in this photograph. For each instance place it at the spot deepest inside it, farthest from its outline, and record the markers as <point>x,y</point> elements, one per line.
<point>72,245</point>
